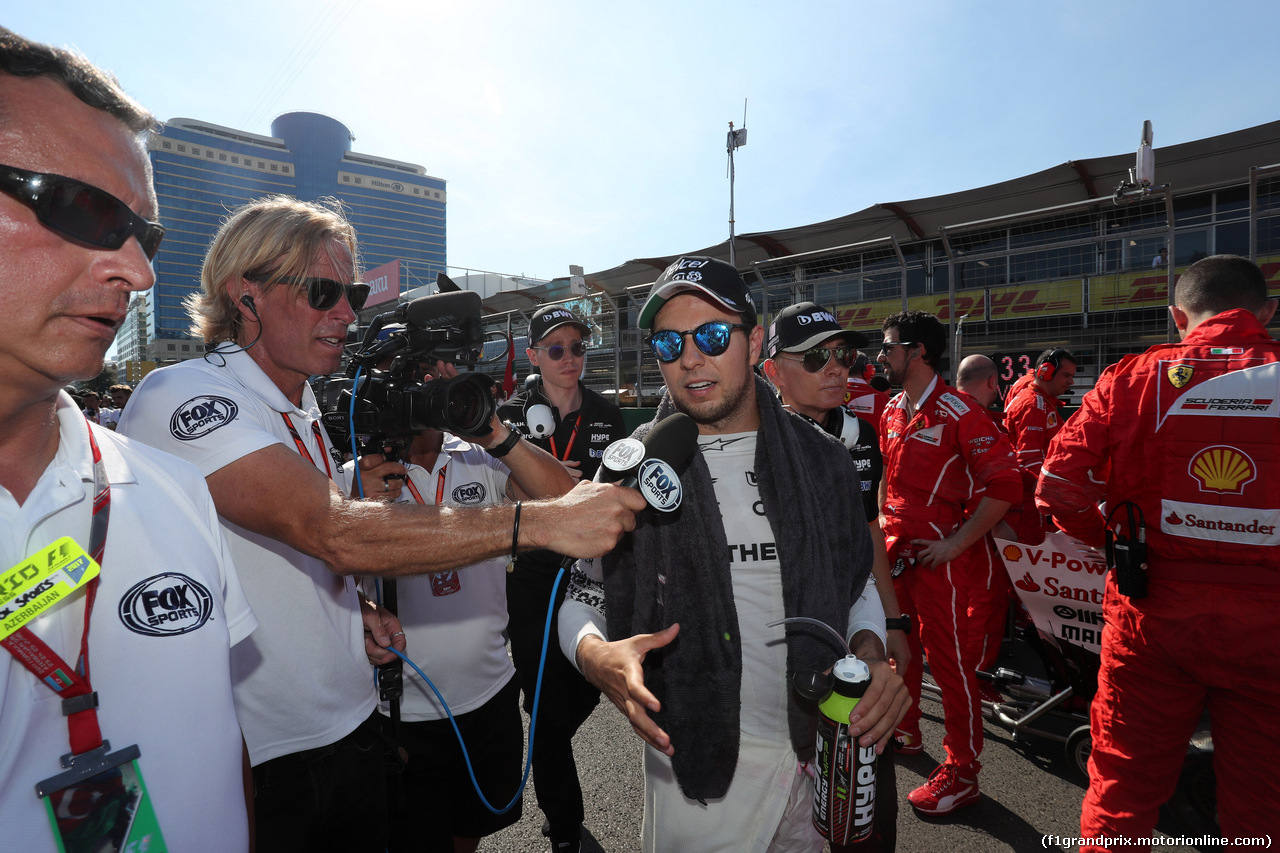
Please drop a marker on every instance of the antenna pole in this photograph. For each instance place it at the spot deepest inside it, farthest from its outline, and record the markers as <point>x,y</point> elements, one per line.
<point>731,146</point>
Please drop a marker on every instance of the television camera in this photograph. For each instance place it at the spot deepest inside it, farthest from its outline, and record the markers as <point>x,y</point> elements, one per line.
<point>382,399</point>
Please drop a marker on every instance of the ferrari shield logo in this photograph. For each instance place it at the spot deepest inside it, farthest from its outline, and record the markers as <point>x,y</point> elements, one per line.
<point>1180,375</point>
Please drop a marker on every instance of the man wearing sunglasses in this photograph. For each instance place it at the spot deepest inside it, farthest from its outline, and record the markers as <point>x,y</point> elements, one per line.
<point>279,288</point>
<point>582,425</point>
<point>810,356</point>
<point>156,626</point>
<point>950,475</point>
<point>771,526</point>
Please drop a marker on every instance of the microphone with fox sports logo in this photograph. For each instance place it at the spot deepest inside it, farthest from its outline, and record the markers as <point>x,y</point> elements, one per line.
<point>650,466</point>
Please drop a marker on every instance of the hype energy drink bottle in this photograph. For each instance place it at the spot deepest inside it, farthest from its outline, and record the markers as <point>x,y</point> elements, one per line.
<point>844,789</point>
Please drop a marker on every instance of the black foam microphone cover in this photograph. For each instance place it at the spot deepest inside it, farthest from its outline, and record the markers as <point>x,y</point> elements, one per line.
<point>673,441</point>
<point>440,309</point>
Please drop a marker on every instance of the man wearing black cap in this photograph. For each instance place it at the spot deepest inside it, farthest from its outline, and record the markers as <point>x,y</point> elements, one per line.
<point>809,360</point>
<point>770,527</point>
<point>575,424</point>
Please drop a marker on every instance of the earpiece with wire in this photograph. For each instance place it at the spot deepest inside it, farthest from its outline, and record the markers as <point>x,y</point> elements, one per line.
<point>247,301</point>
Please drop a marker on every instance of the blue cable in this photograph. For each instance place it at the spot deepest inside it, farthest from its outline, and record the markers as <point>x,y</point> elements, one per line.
<point>542,660</point>
<point>533,717</point>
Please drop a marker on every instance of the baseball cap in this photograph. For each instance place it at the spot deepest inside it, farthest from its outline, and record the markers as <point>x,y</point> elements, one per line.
<point>709,276</point>
<point>798,327</point>
<point>551,317</point>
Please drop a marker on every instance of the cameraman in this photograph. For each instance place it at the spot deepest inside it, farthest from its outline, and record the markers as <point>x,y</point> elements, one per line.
<point>580,424</point>
<point>453,623</point>
<point>279,288</point>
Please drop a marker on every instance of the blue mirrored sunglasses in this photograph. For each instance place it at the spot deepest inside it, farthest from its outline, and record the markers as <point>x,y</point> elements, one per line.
<point>710,338</point>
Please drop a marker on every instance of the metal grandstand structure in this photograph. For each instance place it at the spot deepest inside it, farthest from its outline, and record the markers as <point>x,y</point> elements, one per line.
<point>1051,259</point>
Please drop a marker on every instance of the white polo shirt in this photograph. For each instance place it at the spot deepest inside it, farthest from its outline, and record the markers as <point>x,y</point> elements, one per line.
<point>163,684</point>
<point>453,621</point>
<point>303,680</point>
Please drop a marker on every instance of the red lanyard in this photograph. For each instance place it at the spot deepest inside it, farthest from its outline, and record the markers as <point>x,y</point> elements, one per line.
<point>43,662</point>
<point>577,421</point>
<point>302,448</point>
<point>417,496</point>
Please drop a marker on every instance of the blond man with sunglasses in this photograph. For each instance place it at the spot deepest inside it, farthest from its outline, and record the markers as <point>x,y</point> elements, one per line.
<point>280,286</point>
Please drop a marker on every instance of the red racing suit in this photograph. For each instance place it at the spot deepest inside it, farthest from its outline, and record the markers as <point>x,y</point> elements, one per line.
<point>936,462</point>
<point>1192,434</point>
<point>864,401</point>
<point>1032,418</point>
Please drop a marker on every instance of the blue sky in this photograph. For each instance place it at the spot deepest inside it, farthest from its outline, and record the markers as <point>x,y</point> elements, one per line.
<point>591,133</point>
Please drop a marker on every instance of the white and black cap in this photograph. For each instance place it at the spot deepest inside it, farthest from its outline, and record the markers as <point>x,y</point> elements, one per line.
<point>807,324</point>
<point>709,276</point>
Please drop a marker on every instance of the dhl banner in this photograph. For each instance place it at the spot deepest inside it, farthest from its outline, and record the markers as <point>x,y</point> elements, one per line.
<point>1060,582</point>
<point>1138,289</point>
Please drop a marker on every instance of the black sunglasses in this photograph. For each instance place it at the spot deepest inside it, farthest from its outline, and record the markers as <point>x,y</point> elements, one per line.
<point>322,293</point>
<point>80,211</point>
<point>556,351</point>
<point>815,359</point>
<point>711,338</point>
<point>888,346</point>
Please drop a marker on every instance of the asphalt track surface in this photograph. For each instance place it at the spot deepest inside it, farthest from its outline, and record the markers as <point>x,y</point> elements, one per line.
<point>1029,792</point>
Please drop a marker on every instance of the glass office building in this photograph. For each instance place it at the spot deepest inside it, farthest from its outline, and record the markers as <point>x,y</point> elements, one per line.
<point>204,170</point>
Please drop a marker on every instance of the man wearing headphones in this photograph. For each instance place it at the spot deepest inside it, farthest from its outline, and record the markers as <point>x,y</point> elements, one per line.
<point>1032,417</point>
<point>560,414</point>
<point>809,356</point>
<point>950,476</point>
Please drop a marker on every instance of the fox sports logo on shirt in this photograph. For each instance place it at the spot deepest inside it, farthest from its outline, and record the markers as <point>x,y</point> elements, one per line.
<point>200,416</point>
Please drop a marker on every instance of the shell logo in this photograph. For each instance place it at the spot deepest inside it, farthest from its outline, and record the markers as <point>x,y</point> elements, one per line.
<point>1223,469</point>
<point>1012,552</point>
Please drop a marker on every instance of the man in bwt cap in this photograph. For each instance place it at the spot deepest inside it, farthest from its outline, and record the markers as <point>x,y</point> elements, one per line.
<point>809,357</point>
<point>677,633</point>
<point>560,414</point>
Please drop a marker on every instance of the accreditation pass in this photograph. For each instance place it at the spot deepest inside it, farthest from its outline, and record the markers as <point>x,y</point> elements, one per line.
<point>40,582</point>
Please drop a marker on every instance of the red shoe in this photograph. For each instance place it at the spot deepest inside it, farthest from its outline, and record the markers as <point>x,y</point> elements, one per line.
<point>906,743</point>
<point>950,787</point>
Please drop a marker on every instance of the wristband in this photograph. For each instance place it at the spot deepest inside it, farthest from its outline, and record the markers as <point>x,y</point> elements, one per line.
<point>515,531</point>
<point>899,623</point>
<point>501,450</point>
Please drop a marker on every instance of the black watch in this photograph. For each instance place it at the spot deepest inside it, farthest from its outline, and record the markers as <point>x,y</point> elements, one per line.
<point>899,623</point>
<point>501,450</point>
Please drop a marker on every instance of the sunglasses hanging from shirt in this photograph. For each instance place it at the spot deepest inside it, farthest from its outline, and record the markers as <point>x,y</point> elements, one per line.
<point>710,338</point>
<point>80,211</point>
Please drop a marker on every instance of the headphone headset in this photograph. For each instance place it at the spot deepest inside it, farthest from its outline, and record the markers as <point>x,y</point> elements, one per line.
<point>868,372</point>
<point>1049,362</point>
<point>247,301</point>
<point>538,416</point>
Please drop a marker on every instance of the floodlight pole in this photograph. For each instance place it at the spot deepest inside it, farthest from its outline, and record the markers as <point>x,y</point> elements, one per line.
<point>736,139</point>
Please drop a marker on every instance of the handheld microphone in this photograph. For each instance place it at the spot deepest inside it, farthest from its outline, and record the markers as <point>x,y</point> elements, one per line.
<point>652,466</point>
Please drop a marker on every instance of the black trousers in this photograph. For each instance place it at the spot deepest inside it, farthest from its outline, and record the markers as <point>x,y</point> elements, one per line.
<point>566,700</point>
<point>330,798</point>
